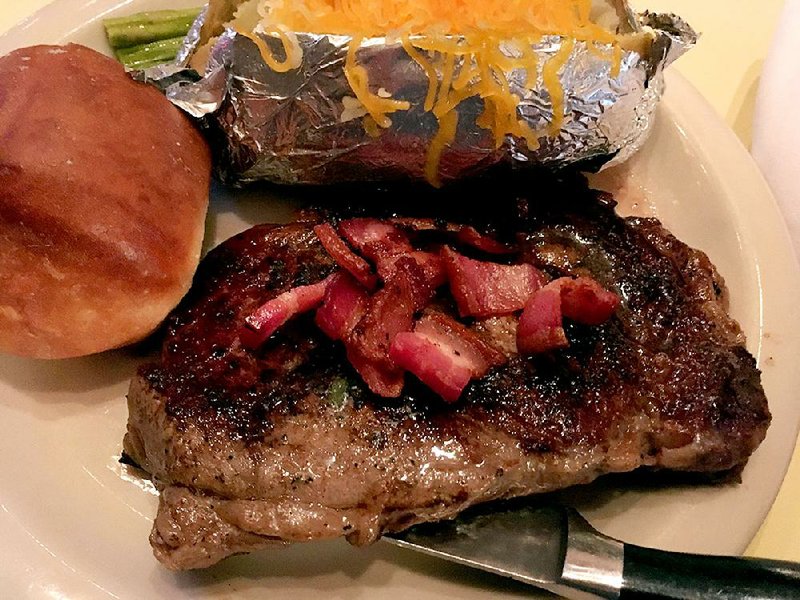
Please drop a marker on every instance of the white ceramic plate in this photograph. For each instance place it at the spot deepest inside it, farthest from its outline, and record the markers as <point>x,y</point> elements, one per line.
<point>74,524</point>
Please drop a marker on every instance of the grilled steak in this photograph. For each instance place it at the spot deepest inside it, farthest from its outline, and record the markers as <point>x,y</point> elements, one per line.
<point>286,443</point>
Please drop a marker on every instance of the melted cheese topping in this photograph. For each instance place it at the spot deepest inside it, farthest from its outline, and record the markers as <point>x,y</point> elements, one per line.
<point>457,43</point>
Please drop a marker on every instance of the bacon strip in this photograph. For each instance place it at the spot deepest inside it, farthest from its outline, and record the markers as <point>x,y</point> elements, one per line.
<point>390,311</point>
<point>375,239</point>
<point>437,367</point>
<point>268,317</point>
<point>462,341</point>
<point>430,263</point>
<point>344,304</point>
<point>444,354</point>
<point>586,301</point>
<point>466,234</point>
<point>581,299</point>
<point>472,237</point>
<point>423,271</point>
<point>344,256</point>
<point>483,289</point>
<point>540,325</point>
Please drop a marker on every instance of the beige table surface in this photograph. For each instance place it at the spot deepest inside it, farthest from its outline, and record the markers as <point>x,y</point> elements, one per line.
<point>725,67</point>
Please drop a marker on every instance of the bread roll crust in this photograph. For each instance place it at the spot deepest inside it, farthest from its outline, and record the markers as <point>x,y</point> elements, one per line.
<point>103,195</point>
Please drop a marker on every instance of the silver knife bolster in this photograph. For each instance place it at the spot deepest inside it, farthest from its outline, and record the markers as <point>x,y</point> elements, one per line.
<point>593,562</point>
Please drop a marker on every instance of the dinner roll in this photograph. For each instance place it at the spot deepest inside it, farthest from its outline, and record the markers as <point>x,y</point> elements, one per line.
<point>103,196</point>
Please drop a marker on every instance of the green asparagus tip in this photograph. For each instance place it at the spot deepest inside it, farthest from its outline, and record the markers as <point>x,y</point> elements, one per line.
<point>142,28</point>
<point>147,55</point>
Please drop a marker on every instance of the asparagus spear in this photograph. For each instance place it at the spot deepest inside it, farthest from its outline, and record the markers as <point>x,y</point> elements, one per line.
<point>134,30</point>
<point>149,54</point>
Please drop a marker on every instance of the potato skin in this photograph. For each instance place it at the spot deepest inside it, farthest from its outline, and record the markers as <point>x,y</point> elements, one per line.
<point>103,196</point>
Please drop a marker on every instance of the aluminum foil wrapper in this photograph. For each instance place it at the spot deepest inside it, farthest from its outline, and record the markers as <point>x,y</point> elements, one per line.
<point>300,126</point>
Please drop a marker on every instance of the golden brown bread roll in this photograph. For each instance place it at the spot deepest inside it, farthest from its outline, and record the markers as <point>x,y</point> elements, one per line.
<point>103,195</point>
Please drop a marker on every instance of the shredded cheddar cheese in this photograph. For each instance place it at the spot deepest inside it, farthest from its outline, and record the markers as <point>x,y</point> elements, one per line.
<point>466,48</point>
<point>291,48</point>
<point>377,106</point>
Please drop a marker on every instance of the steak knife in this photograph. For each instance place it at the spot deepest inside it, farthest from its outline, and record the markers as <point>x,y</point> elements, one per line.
<point>554,548</point>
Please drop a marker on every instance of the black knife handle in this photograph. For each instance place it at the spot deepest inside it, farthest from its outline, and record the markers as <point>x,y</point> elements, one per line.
<point>655,574</point>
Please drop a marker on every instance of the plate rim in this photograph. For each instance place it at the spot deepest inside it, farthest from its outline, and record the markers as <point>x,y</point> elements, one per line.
<point>747,182</point>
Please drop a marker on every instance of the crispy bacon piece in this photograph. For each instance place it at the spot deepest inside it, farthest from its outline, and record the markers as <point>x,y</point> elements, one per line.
<point>540,325</point>
<point>483,289</point>
<point>466,234</point>
<point>344,304</point>
<point>344,256</point>
<point>430,263</point>
<point>444,354</point>
<point>423,224</point>
<point>375,239</point>
<point>268,317</point>
<point>472,237</point>
<point>437,367</point>
<point>390,311</point>
<point>462,341</point>
<point>423,270</point>
<point>582,299</point>
<point>586,301</point>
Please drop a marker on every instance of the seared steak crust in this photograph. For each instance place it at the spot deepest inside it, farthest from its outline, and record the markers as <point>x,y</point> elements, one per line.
<point>250,448</point>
